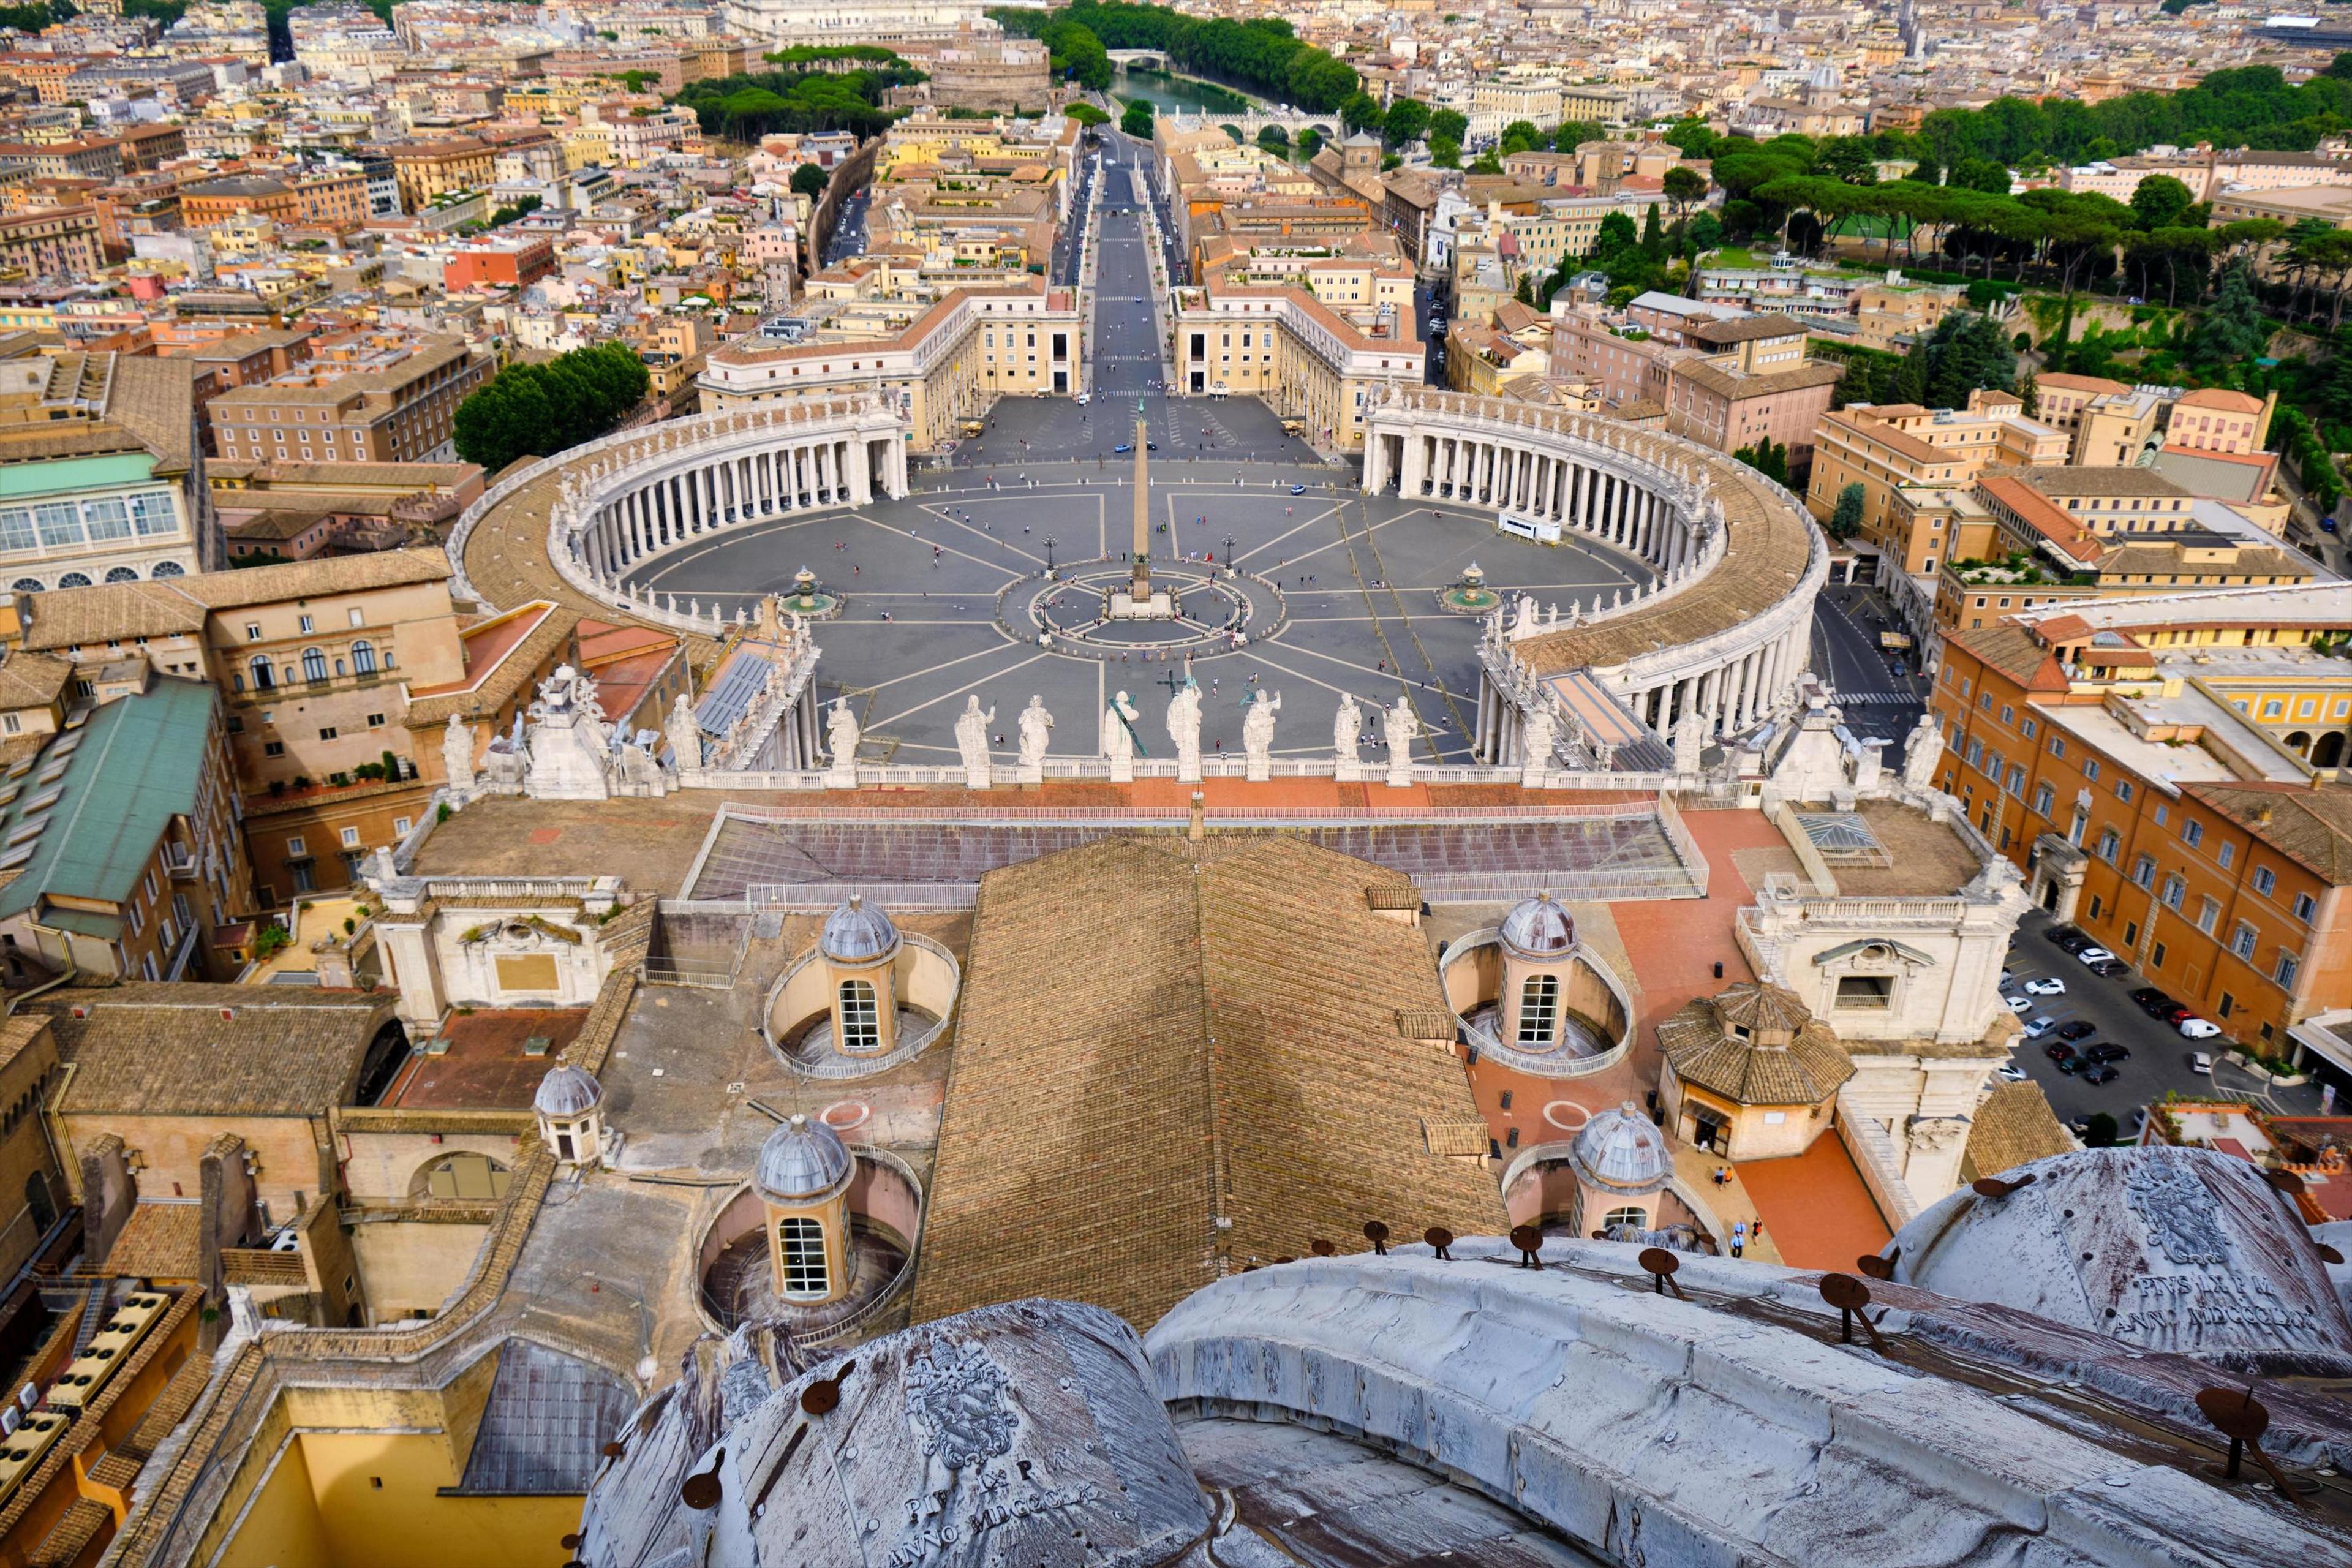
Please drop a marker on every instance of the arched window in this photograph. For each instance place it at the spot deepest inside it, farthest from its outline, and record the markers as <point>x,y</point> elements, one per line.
<point>1540,1010</point>
<point>1616,1217</point>
<point>314,665</point>
<point>804,1244</point>
<point>27,585</point>
<point>123,574</point>
<point>861,1024</point>
<point>363,657</point>
<point>169,569</point>
<point>73,580</point>
<point>263,679</point>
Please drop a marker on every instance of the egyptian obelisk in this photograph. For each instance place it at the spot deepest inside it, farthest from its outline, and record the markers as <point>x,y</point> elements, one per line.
<point>1140,592</point>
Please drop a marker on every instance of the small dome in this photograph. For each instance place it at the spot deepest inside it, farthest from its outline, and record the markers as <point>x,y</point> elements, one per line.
<point>566,1091</point>
<point>801,1160</point>
<point>1539,928</point>
<point>1623,1151</point>
<point>856,934</point>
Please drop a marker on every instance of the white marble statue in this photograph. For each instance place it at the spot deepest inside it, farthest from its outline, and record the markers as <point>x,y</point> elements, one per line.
<point>1690,743</point>
<point>1536,729</point>
<point>971,740</point>
<point>1119,732</point>
<point>1922,749</point>
<point>1036,730</point>
<point>684,733</point>
<point>1347,725</point>
<point>841,737</point>
<point>1400,726</point>
<point>458,758</point>
<point>1257,734</point>
<point>1184,729</point>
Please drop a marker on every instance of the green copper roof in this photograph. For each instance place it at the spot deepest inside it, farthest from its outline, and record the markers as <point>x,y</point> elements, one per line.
<point>134,766</point>
<point>61,475</point>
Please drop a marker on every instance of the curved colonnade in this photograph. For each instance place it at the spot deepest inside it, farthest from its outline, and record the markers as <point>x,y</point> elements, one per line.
<point>1721,636</point>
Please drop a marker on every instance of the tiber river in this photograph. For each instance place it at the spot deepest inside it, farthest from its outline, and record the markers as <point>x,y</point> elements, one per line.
<point>1175,94</point>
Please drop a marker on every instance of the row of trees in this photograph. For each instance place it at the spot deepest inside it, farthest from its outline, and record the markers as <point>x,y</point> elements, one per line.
<point>749,106</point>
<point>538,409</point>
<point>1261,55</point>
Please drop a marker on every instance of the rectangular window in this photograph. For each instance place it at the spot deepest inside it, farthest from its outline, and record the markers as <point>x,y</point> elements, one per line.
<point>400,825</point>
<point>2224,853</point>
<point>16,529</point>
<point>2030,729</point>
<point>2208,911</point>
<point>2108,843</point>
<point>2174,889</point>
<point>2058,745</point>
<point>2284,971</point>
<point>106,519</point>
<point>327,734</point>
<point>273,748</point>
<point>2016,780</point>
<point>2143,870</point>
<point>803,1241</point>
<point>154,514</point>
<point>2156,956</point>
<point>60,525</point>
<point>2192,833</point>
<point>351,837</point>
<point>2091,769</point>
<point>2242,940</point>
<point>2124,790</point>
<point>295,845</point>
<point>2264,880</point>
<point>2042,797</point>
<point>2305,906</point>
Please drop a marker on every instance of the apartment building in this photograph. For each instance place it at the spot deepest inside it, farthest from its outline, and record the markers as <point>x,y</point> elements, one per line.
<point>1310,363</point>
<point>2215,419</point>
<point>427,171</point>
<point>957,357</point>
<point>51,242</point>
<point>1890,447</point>
<point>1746,380</point>
<point>106,481</point>
<point>2163,768</point>
<point>395,405</point>
<point>123,836</point>
<point>1889,314</point>
<point>337,200</point>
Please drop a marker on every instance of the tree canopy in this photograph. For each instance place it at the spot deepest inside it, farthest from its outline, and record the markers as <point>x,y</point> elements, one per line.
<point>542,409</point>
<point>1261,55</point>
<point>749,106</point>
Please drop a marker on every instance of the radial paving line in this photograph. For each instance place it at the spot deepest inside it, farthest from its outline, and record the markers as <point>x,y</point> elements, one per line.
<point>1452,708</point>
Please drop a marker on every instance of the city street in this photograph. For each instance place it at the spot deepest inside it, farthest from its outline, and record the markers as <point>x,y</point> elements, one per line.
<point>849,228</point>
<point>2159,1053</point>
<point>1847,620</point>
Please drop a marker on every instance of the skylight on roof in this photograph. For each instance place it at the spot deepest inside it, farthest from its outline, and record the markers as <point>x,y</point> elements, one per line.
<point>17,857</point>
<point>67,744</point>
<point>43,801</point>
<point>27,831</point>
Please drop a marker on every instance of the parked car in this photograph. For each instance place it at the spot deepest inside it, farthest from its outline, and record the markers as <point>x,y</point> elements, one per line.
<point>2058,1051</point>
<point>2110,968</point>
<point>2039,1025</point>
<point>1123,448</point>
<point>2198,1029</point>
<point>2100,1074</point>
<point>2021,1005</point>
<point>2053,986</point>
<point>2067,938</point>
<point>1299,489</point>
<point>2080,1029</point>
<point>2172,1014</point>
<point>2107,1051</point>
<point>2148,994</point>
<point>2007,980</point>
<point>2093,955</point>
<point>2074,1065</point>
<point>2200,1063</point>
<point>2011,1073</point>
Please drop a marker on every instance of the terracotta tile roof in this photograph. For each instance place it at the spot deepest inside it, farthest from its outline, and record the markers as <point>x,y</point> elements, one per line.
<point>2312,827</point>
<point>1806,1071</point>
<point>32,679</point>
<point>164,1048</point>
<point>2015,1126</point>
<point>1174,1058</point>
<point>2011,650</point>
<point>68,618</point>
<point>160,1241</point>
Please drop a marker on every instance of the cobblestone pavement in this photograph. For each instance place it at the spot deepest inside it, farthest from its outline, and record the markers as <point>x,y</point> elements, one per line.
<point>934,611</point>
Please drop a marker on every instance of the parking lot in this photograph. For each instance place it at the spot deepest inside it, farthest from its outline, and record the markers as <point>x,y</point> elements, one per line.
<point>2159,1053</point>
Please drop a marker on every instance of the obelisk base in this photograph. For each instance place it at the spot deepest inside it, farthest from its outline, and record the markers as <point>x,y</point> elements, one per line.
<point>1160,606</point>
